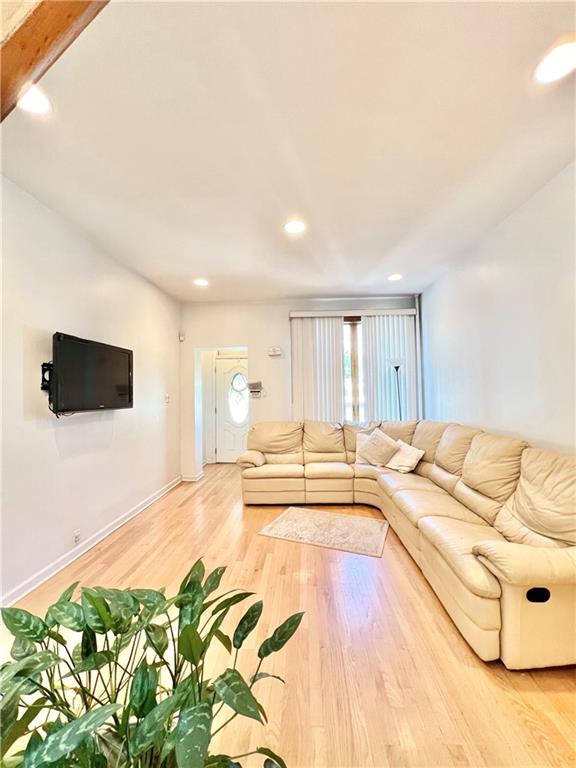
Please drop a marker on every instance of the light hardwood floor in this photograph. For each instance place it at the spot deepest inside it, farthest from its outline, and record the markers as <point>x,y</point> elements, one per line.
<point>377,674</point>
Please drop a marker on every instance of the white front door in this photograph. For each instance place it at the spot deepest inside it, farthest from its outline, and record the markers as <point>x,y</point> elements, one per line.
<point>232,405</point>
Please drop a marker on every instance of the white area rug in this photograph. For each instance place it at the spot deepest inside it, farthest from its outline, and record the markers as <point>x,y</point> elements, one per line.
<point>349,533</point>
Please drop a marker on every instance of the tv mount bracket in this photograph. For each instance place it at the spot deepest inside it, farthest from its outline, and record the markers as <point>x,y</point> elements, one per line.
<point>47,369</point>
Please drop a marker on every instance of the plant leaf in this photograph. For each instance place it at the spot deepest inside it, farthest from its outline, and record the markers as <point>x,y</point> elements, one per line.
<point>196,573</point>
<point>191,606</point>
<point>224,639</point>
<point>214,600</point>
<point>96,611</point>
<point>231,688</point>
<point>24,624</point>
<point>139,689</point>
<point>9,705</point>
<point>190,644</point>
<point>57,637</point>
<point>124,597</point>
<point>157,638</point>
<point>151,599</point>
<point>226,604</point>
<point>94,661</point>
<point>30,665</point>
<point>247,623</point>
<point>213,581</point>
<point>63,741</point>
<point>34,744</point>
<point>69,615</point>
<point>21,647</point>
<point>143,690</point>
<point>19,727</point>
<point>66,596</point>
<point>277,761</point>
<point>280,636</point>
<point>192,736</point>
<point>264,675</point>
<point>88,645</point>
<point>153,725</point>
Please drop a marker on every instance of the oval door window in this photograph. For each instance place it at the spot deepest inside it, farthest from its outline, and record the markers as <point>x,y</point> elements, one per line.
<point>238,398</point>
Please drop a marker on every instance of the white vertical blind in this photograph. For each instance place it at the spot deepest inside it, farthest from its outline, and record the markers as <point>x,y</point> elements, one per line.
<point>317,368</point>
<point>390,340</point>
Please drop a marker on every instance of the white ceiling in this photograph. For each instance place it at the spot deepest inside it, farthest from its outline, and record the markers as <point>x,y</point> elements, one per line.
<point>185,134</point>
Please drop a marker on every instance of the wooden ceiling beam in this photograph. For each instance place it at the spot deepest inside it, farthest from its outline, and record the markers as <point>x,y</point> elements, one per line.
<point>38,42</point>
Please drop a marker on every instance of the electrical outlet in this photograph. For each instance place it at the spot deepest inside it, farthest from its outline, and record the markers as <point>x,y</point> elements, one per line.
<point>76,535</point>
<point>167,399</point>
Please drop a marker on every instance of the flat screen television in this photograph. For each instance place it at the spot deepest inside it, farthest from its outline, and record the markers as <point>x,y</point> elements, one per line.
<point>89,376</point>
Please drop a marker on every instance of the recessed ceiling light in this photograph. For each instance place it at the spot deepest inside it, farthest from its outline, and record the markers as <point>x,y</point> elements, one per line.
<point>395,277</point>
<point>201,282</point>
<point>295,227</point>
<point>557,63</point>
<point>35,101</point>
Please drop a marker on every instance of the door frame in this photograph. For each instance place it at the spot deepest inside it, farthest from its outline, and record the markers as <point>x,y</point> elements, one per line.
<point>206,413</point>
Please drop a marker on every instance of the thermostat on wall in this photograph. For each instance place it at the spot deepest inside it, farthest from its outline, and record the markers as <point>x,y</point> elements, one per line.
<point>255,388</point>
<point>274,351</point>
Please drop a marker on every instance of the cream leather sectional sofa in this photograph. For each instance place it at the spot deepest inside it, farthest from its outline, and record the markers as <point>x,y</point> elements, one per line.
<point>490,521</point>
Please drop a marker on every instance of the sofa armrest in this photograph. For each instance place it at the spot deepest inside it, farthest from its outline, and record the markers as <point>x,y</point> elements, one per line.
<point>523,565</point>
<point>251,459</point>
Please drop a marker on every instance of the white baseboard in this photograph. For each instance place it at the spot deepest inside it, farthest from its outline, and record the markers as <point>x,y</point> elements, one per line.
<point>45,573</point>
<point>192,478</point>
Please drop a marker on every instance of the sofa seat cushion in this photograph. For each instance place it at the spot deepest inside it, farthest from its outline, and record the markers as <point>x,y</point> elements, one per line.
<point>318,470</point>
<point>454,540</point>
<point>369,471</point>
<point>274,470</point>
<point>417,504</point>
<point>391,482</point>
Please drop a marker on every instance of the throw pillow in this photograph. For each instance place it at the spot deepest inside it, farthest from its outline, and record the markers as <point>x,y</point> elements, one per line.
<point>376,449</point>
<point>406,458</point>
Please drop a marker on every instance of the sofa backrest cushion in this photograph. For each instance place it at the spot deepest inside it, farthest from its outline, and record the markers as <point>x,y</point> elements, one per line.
<point>323,441</point>
<point>279,441</point>
<point>484,506</point>
<point>453,447</point>
<point>438,475</point>
<point>351,432</point>
<point>399,430</point>
<point>542,509</point>
<point>427,436</point>
<point>492,465</point>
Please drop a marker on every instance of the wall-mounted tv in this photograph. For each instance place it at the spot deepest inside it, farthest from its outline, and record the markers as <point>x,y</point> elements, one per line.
<point>89,376</point>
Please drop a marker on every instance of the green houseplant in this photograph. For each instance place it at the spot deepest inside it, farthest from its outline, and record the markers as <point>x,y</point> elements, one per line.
<point>119,679</point>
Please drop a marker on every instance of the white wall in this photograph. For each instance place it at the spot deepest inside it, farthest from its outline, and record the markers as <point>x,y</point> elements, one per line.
<point>256,326</point>
<point>499,327</point>
<point>89,470</point>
